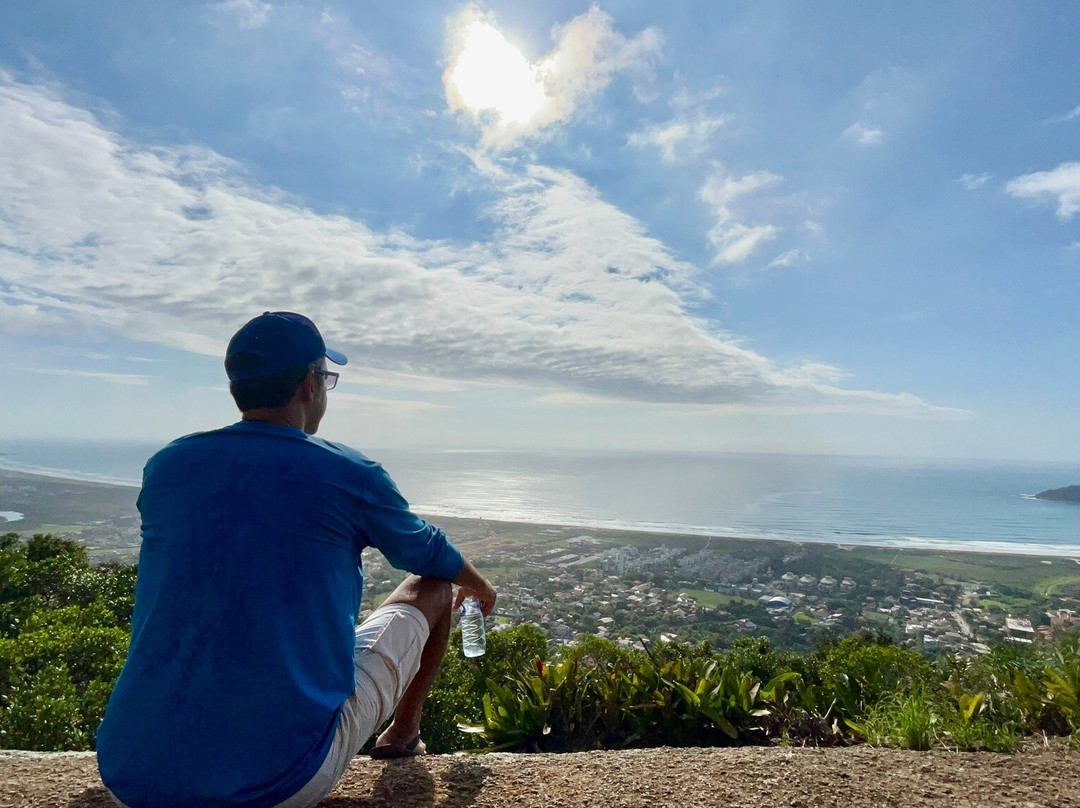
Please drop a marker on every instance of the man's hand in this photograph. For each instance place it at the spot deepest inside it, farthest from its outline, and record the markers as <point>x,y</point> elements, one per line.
<point>474,584</point>
<point>486,597</point>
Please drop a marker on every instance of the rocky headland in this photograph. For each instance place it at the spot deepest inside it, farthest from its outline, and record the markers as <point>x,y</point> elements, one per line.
<point>1070,493</point>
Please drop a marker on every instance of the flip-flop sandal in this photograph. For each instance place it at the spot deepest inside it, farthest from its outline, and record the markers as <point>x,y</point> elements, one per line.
<point>390,751</point>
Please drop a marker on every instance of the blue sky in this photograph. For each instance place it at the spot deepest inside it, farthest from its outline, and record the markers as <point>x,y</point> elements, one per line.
<point>796,227</point>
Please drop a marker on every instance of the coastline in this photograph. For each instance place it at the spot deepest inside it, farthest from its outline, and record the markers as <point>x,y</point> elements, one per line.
<point>903,543</point>
<point>614,530</point>
<point>66,475</point>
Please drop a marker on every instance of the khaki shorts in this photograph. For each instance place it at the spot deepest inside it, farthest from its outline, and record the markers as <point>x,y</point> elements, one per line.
<point>388,648</point>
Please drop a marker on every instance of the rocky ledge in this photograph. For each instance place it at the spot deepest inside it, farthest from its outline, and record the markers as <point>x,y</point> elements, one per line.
<point>856,777</point>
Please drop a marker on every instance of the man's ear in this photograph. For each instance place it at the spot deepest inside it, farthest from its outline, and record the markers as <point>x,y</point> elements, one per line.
<point>307,387</point>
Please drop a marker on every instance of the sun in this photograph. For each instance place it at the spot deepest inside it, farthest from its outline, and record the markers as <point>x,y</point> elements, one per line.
<point>492,75</point>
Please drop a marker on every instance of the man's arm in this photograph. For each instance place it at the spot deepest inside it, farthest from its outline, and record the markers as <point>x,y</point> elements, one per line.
<point>474,584</point>
<point>410,543</point>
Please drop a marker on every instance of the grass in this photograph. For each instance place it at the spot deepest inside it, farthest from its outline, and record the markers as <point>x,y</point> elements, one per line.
<point>1005,603</point>
<point>1068,585</point>
<point>119,555</point>
<point>918,722</point>
<point>875,617</point>
<point>713,600</point>
<point>498,575</point>
<point>1018,572</point>
<point>907,722</point>
<point>55,529</point>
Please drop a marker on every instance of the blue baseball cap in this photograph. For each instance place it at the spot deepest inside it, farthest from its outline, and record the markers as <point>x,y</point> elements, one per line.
<point>276,341</point>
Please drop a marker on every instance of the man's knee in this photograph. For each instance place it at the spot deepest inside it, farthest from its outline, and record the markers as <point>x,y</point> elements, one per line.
<point>439,594</point>
<point>432,596</point>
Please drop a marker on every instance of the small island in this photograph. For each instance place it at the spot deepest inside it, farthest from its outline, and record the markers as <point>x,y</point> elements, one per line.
<point>1070,493</point>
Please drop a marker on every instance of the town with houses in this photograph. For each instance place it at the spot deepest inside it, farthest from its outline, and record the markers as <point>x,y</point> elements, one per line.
<point>625,593</point>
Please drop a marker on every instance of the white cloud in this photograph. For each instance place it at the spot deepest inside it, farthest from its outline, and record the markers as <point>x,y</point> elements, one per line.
<point>684,99</point>
<point>680,139</point>
<point>115,378</point>
<point>588,54</point>
<point>570,293</point>
<point>888,100</point>
<point>247,14</point>
<point>785,259</point>
<point>389,379</point>
<point>23,318</point>
<point>383,406</point>
<point>814,229</point>
<point>350,51</point>
<point>1062,184</point>
<point>21,314</point>
<point>735,241</point>
<point>973,182</point>
<point>1071,115</point>
<point>863,135</point>
<point>721,190</point>
<point>813,372</point>
<point>366,77</point>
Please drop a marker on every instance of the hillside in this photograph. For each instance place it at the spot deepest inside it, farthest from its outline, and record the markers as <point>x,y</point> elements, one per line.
<point>855,777</point>
<point>1070,493</point>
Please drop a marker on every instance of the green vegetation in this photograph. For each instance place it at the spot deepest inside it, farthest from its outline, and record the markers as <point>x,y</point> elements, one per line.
<point>1070,493</point>
<point>64,629</point>
<point>459,690</point>
<point>1066,585</point>
<point>1025,575</point>
<point>716,599</point>
<point>102,515</point>
<point>860,689</point>
<point>65,624</point>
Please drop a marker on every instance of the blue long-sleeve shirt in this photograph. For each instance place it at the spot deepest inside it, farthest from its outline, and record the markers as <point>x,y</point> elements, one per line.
<point>248,593</point>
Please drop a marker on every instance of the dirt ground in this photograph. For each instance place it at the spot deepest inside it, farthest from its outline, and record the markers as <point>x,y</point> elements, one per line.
<point>859,777</point>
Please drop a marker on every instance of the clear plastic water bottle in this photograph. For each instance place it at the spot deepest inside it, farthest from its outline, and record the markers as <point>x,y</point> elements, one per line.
<point>473,637</point>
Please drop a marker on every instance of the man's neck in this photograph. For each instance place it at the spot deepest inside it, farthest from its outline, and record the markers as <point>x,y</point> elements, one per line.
<point>280,416</point>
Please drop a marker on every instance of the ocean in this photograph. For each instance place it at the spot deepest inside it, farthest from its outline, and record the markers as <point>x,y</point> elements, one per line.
<point>961,505</point>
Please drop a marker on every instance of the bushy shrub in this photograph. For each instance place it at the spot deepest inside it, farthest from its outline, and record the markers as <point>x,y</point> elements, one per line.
<point>64,633</point>
<point>756,656</point>
<point>600,696</point>
<point>861,673</point>
<point>1030,687</point>
<point>1063,680</point>
<point>921,721</point>
<point>615,699</point>
<point>907,721</point>
<point>43,713</point>
<point>458,692</point>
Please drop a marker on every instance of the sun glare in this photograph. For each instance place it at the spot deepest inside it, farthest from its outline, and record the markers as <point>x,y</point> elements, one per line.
<point>491,74</point>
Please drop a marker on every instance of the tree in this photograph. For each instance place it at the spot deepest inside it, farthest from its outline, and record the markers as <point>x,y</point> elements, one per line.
<point>64,633</point>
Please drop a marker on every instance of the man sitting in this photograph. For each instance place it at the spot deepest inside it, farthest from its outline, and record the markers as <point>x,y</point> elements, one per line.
<point>248,682</point>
